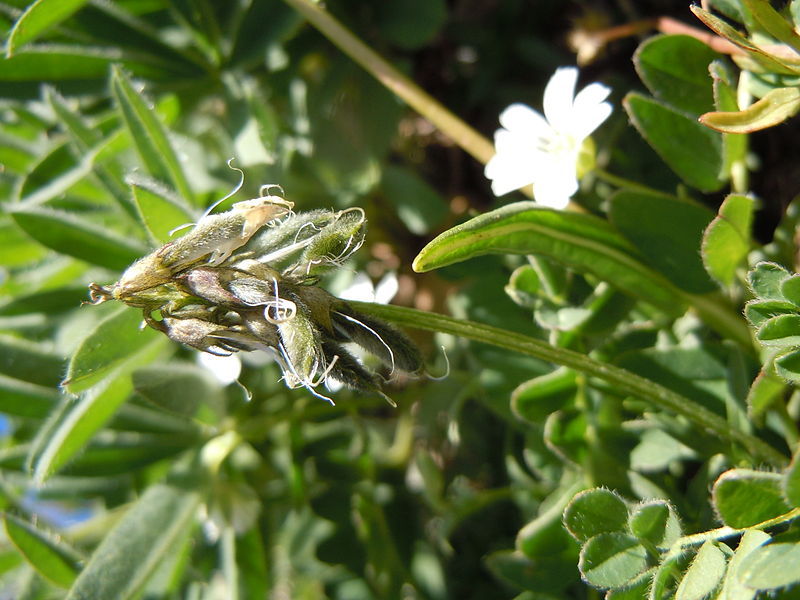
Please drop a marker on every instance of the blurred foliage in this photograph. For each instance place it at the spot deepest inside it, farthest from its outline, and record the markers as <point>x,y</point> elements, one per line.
<point>606,422</point>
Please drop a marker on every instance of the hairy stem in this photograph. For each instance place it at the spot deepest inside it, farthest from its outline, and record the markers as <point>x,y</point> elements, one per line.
<point>622,380</point>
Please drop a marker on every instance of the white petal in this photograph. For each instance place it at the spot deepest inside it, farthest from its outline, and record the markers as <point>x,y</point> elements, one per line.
<point>594,93</point>
<point>387,288</point>
<point>360,288</point>
<point>507,142</point>
<point>508,172</point>
<point>522,119</point>
<point>557,188</point>
<point>589,120</point>
<point>225,369</point>
<point>558,96</point>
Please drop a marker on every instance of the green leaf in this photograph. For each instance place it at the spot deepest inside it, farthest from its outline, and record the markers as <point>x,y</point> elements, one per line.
<point>551,574</point>
<point>791,481</point>
<point>70,234</point>
<point>787,365</point>
<point>593,512</point>
<point>29,361</point>
<point>693,151</point>
<point>140,541</point>
<point>668,232</point>
<point>612,560</point>
<point>675,69</point>
<point>38,18</point>
<point>149,134</point>
<point>766,280</point>
<point>743,498</point>
<point>704,575</point>
<point>774,108</point>
<point>764,393</point>
<point>759,312</point>
<point>774,24</point>
<point>726,241</point>
<point>771,566</point>
<point>732,587</point>
<point>23,399</point>
<point>582,242</point>
<point>545,535</point>
<point>177,388</point>
<point>418,205</point>
<point>771,62</point>
<point>790,289</point>
<point>657,450</point>
<point>112,341</point>
<point>158,208</point>
<point>782,330</point>
<point>536,398</point>
<point>656,522</point>
<point>70,428</point>
<point>52,558</point>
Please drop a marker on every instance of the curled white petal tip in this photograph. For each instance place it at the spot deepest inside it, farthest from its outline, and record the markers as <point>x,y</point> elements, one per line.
<point>542,150</point>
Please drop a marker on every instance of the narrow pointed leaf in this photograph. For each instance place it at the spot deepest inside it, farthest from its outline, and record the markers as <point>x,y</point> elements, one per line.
<point>78,420</point>
<point>582,242</point>
<point>53,559</point>
<point>72,235</point>
<point>113,340</point>
<point>38,18</point>
<point>145,536</point>
<point>149,134</point>
<point>774,108</point>
<point>772,21</point>
<point>159,210</point>
<point>29,361</point>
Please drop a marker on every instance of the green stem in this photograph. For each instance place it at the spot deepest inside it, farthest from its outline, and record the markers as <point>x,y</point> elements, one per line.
<point>461,133</point>
<point>622,182</point>
<point>622,380</point>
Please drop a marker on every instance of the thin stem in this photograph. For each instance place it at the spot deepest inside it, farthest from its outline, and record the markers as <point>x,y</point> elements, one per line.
<point>461,133</point>
<point>622,380</point>
<point>622,182</point>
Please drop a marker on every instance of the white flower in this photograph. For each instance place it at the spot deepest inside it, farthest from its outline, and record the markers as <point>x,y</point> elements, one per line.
<point>362,288</point>
<point>544,150</point>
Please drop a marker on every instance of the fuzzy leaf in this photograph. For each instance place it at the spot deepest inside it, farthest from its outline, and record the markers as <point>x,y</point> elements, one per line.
<point>612,560</point>
<point>593,512</point>
<point>771,566</point>
<point>656,522</point>
<point>72,235</point>
<point>149,134</point>
<point>113,340</point>
<point>743,498</point>
<point>137,544</point>
<point>53,559</point>
<point>704,574</point>
<point>158,209</point>
<point>38,18</point>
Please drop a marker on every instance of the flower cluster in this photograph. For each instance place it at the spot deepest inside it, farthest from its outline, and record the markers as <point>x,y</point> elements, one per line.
<point>245,280</point>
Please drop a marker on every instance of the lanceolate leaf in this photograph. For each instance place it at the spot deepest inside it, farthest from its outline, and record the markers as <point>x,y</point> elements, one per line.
<point>73,425</point>
<point>159,210</point>
<point>774,108</point>
<point>582,242</point>
<point>114,339</point>
<point>53,559</point>
<point>37,18</point>
<point>74,236</point>
<point>140,541</point>
<point>149,134</point>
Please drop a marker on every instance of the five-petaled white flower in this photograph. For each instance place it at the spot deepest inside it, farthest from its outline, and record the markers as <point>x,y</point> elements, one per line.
<point>544,150</point>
